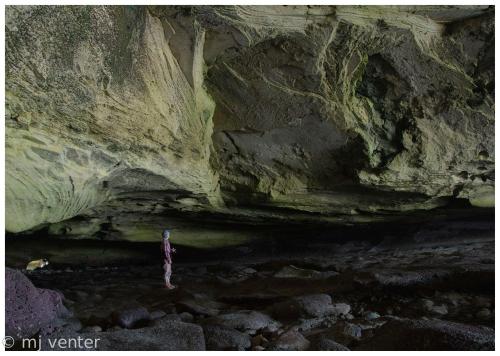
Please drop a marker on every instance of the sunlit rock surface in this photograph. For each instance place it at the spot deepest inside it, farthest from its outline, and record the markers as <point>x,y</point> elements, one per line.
<point>98,107</point>
<point>122,119</point>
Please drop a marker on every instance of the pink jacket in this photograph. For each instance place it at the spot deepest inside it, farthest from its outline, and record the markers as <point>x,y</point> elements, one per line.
<point>166,251</point>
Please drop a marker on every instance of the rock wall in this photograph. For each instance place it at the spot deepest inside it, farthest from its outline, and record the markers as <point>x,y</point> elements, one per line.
<point>125,116</point>
<point>97,105</point>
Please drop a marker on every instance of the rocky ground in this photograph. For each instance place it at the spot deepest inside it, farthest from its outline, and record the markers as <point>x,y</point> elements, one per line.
<point>423,293</point>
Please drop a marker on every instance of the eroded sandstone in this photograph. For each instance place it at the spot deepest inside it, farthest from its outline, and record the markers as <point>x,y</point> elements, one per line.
<point>120,118</point>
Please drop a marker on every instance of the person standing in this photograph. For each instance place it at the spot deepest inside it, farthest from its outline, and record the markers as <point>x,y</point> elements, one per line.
<point>166,252</point>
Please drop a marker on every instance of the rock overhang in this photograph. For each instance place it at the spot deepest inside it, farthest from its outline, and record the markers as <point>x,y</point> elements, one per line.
<point>332,113</point>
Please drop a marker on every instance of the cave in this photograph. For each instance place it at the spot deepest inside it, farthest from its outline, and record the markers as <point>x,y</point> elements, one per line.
<point>249,178</point>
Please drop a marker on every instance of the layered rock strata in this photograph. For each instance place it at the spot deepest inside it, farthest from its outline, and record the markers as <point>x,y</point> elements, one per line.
<point>324,113</point>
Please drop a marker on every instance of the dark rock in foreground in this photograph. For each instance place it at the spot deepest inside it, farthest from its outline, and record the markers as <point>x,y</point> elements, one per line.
<point>308,306</point>
<point>222,338</point>
<point>372,315</point>
<point>246,321</point>
<point>166,336</point>
<point>342,332</point>
<point>290,341</point>
<point>325,344</point>
<point>430,335</point>
<point>27,308</point>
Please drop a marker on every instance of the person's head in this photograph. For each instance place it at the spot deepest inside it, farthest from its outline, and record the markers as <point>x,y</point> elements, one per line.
<point>166,234</point>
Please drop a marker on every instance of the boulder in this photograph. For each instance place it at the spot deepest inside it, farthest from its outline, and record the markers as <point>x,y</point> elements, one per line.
<point>27,308</point>
<point>174,317</point>
<point>341,309</point>
<point>246,321</point>
<point>343,332</point>
<point>326,344</point>
<point>259,340</point>
<point>290,341</point>
<point>166,336</point>
<point>430,335</point>
<point>313,323</point>
<point>222,338</point>
<point>186,317</point>
<point>157,314</point>
<point>308,306</point>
